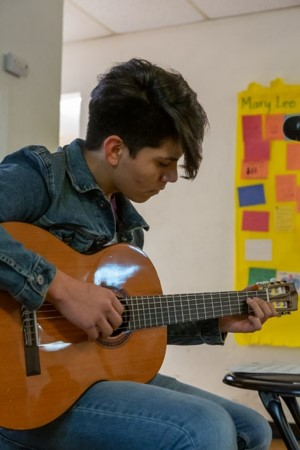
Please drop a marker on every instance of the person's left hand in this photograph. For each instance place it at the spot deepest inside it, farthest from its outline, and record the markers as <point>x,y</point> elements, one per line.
<point>261,311</point>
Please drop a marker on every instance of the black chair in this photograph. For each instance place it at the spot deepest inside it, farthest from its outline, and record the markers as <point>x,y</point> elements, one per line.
<point>273,383</point>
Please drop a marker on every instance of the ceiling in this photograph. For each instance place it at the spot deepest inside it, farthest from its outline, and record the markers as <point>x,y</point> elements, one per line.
<point>93,19</point>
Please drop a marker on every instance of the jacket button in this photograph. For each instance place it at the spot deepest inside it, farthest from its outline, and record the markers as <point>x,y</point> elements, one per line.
<point>40,280</point>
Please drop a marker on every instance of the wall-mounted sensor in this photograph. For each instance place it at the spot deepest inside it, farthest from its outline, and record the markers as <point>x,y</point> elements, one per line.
<point>15,65</point>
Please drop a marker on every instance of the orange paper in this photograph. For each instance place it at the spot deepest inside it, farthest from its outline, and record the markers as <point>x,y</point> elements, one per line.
<point>293,156</point>
<point>285,188</point>
<point>274,127</point>
<point>298,198</point>
<point>254,169</point>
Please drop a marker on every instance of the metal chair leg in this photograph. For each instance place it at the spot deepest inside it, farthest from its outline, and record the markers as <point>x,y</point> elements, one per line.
<point>294,408</point>
<point>273,405</point>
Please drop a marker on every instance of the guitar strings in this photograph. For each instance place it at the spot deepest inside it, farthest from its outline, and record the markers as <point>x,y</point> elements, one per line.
<point>163,301</point>
<point>157,310</point>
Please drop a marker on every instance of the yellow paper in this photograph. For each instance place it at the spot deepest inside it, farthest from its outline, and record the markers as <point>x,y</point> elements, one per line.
<point>261,111</point>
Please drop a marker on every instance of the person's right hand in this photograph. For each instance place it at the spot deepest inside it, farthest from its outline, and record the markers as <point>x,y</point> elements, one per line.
<point>94,309</point>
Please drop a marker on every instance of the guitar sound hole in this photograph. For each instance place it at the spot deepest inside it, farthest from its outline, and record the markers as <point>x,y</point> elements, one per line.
<point>124,326</point>
<point>115,340</point>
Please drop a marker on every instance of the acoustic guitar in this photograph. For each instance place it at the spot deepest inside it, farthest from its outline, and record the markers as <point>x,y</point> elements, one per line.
<point>47,363</point>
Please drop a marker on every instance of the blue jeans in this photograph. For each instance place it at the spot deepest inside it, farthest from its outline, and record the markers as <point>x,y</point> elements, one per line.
<point>161,415</point>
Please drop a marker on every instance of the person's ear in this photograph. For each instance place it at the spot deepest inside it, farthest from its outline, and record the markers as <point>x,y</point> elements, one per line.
<point>113,147</point>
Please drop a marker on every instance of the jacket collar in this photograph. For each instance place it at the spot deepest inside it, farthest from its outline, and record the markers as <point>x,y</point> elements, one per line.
<point>83,181</point>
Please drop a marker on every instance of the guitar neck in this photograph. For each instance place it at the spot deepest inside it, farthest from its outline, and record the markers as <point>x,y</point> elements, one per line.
<point>155,311</point>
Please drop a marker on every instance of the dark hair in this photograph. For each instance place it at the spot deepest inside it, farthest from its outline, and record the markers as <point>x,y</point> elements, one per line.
<point>144,105</point>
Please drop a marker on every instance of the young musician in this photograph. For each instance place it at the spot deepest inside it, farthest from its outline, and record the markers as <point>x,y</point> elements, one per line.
<point>142,120</point>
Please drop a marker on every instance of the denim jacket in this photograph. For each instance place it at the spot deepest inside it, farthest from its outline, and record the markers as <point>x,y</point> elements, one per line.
<point>57,192</point>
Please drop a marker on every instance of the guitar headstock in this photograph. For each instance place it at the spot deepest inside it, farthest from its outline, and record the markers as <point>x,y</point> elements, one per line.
<point>282,294</point>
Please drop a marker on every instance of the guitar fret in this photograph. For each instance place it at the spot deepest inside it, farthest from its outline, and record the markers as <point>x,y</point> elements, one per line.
<point>213,311</point>
<point>149,309</point>
<point>160,305</point>
<point>175,312</point>
<point>171,310</point>
<point>155,312</point>
<point>139,318</point>
<point>196,309</point>
<point>154,316</point>
<point>146,307</point>
<point>204,310</point>
<point>181,309</point>
<point>230,310</point>
<point>168,314</point>
<point>189,311</point>
<point>239,306</point>
<point>133,317</point>
<point>144,313</point>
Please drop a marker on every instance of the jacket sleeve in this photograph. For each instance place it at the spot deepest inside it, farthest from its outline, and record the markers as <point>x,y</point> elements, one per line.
<point>25,275</point>
<point>23,197</point>
<point>194,333</point>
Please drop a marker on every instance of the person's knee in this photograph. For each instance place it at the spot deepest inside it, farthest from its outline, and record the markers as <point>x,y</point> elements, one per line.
<point>261,433</point>
<point>257,432</point>
<point>211,429</point>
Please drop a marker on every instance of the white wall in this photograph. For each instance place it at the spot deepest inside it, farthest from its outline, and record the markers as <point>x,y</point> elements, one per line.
<point>29,106</point>
<point>191,241</point>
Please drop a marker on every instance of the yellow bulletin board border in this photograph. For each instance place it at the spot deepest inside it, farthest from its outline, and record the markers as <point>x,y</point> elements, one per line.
<point>267,219</point>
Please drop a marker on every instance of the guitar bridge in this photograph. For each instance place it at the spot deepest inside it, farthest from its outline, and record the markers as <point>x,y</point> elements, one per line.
<point>30,336</point>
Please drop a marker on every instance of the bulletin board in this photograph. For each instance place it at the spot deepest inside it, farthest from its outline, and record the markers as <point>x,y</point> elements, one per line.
<point>267,202</point>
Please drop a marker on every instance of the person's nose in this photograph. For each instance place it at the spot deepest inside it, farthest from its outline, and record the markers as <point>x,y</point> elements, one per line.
<point>171,176</point>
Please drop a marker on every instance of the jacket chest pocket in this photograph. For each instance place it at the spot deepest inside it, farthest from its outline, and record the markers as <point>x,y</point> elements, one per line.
<point>78,240</point>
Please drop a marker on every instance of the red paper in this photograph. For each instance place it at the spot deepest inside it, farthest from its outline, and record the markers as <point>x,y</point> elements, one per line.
<point>255,221</point>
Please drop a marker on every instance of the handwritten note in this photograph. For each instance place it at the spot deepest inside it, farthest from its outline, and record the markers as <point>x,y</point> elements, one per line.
<point>284,217</point>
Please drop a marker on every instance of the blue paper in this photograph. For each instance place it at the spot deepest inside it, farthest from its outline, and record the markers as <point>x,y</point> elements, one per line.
<point>251,195</point>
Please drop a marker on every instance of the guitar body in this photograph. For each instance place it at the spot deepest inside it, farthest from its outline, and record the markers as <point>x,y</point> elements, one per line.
<point>47,363</point>
<point>69,363</point>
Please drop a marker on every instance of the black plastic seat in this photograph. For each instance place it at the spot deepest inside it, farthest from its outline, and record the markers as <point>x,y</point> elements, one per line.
<point>273,385</point>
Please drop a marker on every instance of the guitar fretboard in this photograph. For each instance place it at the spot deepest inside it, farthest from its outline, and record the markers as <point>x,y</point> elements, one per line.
<point>154,311</point>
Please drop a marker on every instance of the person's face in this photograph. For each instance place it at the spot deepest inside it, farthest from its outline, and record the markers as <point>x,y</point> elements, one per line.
<point>148,173</point>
